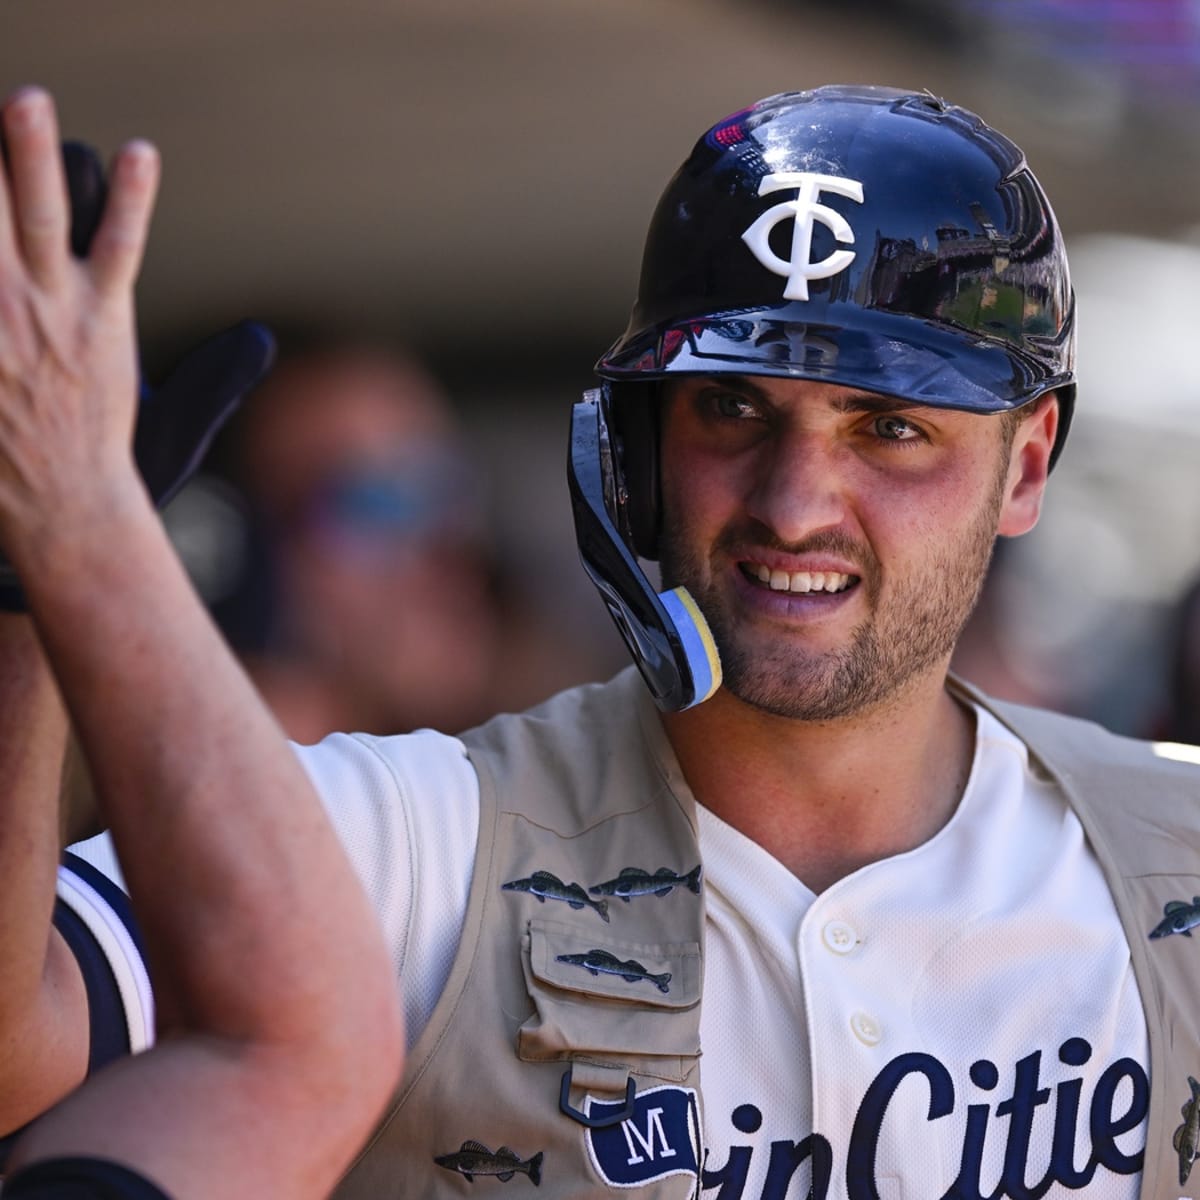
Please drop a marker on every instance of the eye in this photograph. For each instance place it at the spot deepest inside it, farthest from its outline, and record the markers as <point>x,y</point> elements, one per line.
<point>894,428</point>
<point>732,406</point>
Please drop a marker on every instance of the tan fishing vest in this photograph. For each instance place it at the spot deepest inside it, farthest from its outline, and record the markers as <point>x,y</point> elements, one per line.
<point>564,1051</point>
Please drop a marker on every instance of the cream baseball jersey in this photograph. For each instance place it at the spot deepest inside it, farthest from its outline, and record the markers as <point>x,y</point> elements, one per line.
<point>958,1020</point>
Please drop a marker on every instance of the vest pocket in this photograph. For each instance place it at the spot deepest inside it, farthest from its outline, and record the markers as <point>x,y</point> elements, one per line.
<point>611,1003</point>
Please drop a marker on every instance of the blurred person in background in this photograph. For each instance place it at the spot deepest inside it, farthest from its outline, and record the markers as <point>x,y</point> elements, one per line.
<point>368,598</point>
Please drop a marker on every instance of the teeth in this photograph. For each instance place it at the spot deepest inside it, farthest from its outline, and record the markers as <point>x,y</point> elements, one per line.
<point>799,581</point>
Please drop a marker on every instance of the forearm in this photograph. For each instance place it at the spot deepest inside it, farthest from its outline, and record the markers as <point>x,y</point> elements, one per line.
<point>42,992</point>
<point>253,918</point>
<point>204,1117</point>
<point>171,729</point>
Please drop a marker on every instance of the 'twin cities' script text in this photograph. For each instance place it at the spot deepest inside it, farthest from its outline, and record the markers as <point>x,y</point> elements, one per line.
<point>1118,1105</point>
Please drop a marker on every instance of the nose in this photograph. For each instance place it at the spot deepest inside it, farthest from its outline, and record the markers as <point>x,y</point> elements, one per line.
<point>799,486</point>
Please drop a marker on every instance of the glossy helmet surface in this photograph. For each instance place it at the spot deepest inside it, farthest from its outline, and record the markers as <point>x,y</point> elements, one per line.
<point>862,236</point>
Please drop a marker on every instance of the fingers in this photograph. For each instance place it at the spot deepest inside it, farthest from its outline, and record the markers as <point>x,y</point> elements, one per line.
<point>35,213</point>
<point>119,243</point>
<point>38,215</point>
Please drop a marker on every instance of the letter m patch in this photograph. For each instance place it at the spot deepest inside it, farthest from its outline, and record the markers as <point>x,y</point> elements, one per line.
<point>661,1138</point>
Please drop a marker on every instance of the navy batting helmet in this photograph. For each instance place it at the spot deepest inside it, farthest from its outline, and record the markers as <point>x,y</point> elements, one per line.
<point>862,236</point>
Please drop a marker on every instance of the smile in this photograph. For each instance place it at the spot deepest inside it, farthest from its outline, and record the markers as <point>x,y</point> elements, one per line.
<point>797,581</point>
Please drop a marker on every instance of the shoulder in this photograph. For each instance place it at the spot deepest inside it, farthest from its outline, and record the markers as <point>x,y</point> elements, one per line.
<point>1129,787</point>
<point>590,715</point>
<point>586,750</point>
<point>1138,802</point>
<point>392,801</point>
<point>364,769</point>
<point>375,788</point>
<point>1053,736</point>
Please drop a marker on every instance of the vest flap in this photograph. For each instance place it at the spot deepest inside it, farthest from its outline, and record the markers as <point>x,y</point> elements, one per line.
<point>664,975</point>
<point>611,1003</point>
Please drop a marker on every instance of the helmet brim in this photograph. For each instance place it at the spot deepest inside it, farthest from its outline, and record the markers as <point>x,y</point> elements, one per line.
<point>921,361</point>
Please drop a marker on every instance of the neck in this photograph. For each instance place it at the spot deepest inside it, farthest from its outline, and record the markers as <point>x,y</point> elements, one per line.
<point>827,798</point>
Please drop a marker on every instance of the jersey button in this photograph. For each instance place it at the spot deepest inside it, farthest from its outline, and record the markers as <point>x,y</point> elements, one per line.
<point>866,1029</point>
<point>839,937</point>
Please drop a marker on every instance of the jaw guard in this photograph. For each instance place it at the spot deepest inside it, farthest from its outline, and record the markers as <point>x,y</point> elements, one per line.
<point>665,632</point>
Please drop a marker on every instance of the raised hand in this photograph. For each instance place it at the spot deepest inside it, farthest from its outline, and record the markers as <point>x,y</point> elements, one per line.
<point>175,422</point>
<point>68,351</point>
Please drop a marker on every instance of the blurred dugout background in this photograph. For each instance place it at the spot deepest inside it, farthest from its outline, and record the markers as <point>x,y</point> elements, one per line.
<point>471,179</point>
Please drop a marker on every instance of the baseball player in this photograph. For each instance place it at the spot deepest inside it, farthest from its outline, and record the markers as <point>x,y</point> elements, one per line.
<point>259,1084</point>
<point>784,909</point>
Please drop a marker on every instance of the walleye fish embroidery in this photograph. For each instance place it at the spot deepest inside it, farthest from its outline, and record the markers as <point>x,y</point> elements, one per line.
<point>474,1158</point>
<point>547,886</point>
<point>1178,917</point>
<point>633,881</point>
<point>1187,1136</point>
<point>601,962</point>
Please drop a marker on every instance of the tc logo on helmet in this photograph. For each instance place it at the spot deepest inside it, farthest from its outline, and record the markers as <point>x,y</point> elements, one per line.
<point>803,211</point>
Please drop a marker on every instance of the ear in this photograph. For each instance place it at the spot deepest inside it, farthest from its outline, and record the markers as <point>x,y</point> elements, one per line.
<point>1028,467</point>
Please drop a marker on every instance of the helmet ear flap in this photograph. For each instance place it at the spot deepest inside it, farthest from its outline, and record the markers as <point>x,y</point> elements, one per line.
<point>666,632</point>
<point>633,416</point>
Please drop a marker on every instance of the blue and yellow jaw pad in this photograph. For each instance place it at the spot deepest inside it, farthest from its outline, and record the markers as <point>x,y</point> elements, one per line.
<point>666,633</point>
<point>699,649</point>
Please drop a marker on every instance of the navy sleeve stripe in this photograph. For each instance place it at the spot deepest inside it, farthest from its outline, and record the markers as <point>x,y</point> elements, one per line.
<point>113,896</point>
<point>107,1026</point>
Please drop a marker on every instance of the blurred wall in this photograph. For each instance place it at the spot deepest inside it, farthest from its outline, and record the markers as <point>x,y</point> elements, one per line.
<point>477,176</point>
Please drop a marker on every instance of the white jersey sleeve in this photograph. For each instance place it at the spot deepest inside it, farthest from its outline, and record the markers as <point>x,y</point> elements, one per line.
<point>407,811</point>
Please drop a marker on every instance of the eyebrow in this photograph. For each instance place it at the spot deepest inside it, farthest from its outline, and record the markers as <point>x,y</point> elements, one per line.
<point>873,402</point>
<point>853,402</point>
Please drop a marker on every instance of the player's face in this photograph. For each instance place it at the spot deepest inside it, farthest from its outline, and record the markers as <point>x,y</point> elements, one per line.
<point>836,540</point>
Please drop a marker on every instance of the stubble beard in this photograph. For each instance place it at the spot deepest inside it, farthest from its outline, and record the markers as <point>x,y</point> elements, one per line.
<point>910,632</point>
